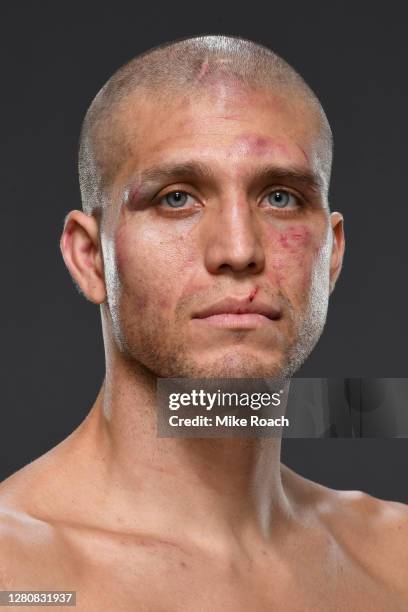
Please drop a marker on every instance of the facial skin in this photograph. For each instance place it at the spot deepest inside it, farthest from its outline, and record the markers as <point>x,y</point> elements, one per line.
<point>239,153</point>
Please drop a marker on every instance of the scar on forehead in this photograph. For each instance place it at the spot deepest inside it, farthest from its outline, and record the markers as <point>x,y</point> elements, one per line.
<point>303,153</point>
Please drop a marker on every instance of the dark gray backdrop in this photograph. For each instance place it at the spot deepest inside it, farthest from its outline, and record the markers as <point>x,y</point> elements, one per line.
<point>55,57</point>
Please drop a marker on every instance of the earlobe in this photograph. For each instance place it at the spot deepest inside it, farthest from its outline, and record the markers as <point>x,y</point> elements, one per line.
<point>81,250</point>
<point>338,244</point>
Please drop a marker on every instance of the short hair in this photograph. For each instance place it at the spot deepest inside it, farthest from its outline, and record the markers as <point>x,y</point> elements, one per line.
<point>188,62</point>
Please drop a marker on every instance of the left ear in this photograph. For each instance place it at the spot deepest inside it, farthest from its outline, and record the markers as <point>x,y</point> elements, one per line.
<point>338,244</point>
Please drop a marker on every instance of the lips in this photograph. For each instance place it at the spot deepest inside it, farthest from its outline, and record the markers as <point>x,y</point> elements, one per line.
<point>234,306</point>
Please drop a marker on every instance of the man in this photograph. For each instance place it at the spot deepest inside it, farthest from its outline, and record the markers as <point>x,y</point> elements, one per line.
<point>207,239</point>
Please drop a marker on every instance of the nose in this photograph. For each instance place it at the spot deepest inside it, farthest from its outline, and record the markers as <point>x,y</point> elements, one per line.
<point>232,240</point>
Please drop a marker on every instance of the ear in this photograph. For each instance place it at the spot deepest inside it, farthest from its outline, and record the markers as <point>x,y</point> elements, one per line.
<point>82,253</point>
<point>338,244</point>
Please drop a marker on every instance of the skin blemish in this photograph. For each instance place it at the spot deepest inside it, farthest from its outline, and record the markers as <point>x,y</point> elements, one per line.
<point>289,250</point>
<point>259,146</point>
<point>253,294</point>
<point>131,196</point>
<point>190,261</point>
<point>283,239</point>
<point>163,304</point>
<point>135,195</point>
<point>304,154</point>
<point>294,238</point>
<point>203,70</point>
<point>260,143</point>
<point>278,267</point>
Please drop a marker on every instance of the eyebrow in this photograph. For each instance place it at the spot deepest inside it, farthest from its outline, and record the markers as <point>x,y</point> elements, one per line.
<point>195,170</point>
<point>198,171</point>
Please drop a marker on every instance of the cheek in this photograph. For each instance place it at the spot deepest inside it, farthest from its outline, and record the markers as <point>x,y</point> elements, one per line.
<point>293,250</point>
<point>134,284</point>
<point>295,238</point>
<point>122,253</point>
<point>152,271</point>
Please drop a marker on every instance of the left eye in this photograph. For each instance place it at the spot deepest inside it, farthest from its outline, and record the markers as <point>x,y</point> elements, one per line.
<point>175,199</point>
<point>282,199</point>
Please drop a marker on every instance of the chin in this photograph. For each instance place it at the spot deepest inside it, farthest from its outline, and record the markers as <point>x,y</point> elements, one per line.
<point>238,366</point>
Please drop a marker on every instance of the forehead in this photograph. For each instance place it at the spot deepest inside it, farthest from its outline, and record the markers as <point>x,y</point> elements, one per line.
<point>227,124</point>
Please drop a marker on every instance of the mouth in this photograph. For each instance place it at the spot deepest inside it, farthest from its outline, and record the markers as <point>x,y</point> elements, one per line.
<point>238,313</point>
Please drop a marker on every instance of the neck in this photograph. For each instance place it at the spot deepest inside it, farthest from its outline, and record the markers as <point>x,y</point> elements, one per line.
<point>228,485</point>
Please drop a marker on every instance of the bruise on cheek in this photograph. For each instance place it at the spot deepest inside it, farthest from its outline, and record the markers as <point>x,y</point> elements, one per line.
<point>289,249</point>
<point>278,266</point>
<point>295,237</point>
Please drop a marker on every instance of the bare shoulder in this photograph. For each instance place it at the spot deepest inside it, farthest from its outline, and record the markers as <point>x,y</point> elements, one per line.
<point>372,533</point>
<point>375,533</point>
<point>30,547</point>
<point>370,521</point>
<point>24,542</point>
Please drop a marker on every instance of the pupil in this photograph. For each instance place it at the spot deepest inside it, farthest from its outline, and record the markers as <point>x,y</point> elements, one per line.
<point>279,198</point>
<point>176,199</point>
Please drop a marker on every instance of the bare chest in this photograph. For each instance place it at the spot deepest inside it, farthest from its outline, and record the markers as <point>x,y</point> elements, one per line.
<point>158,577</point>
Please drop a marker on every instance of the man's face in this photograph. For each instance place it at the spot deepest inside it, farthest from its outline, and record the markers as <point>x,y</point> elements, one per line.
<point>217,243</point>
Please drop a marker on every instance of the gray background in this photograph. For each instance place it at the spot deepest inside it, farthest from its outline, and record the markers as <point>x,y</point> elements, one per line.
<point>55,57</point>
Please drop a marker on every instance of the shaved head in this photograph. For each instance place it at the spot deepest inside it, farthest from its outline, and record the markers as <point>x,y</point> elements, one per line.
<point>183,68</point>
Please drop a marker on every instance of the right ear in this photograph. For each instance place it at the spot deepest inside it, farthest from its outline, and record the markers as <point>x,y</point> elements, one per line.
<point>82,253</point>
